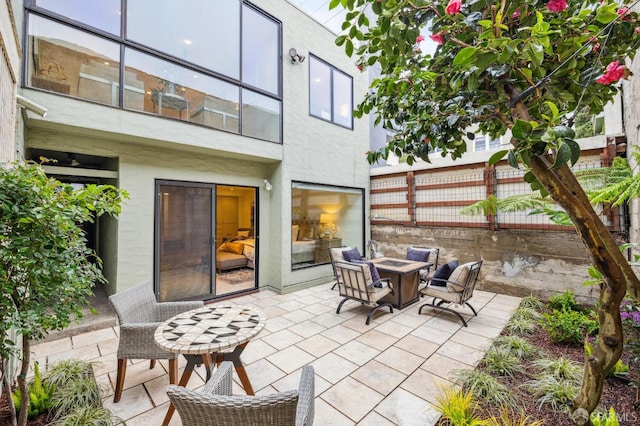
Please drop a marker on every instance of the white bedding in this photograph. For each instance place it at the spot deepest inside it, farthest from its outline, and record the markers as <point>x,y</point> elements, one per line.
<point>303,251</point>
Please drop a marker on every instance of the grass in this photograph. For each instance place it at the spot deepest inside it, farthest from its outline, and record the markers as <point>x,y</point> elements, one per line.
<point>484,386</point>
<point>520,347</point>
<point>501,361</point>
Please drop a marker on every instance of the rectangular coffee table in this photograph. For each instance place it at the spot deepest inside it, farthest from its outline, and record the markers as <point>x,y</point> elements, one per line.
<point>405,277</point>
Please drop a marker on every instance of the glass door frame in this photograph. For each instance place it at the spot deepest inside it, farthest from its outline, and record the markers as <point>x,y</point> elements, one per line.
<point>158,183</point>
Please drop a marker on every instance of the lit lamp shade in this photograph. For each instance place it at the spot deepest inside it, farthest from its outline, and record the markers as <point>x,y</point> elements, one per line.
<point>327,219</point>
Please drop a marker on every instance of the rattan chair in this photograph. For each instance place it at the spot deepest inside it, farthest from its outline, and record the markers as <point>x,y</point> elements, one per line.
<point>458,290</point>
<point>139,314</point>
<point>355,283</point>
<point>214,404</point>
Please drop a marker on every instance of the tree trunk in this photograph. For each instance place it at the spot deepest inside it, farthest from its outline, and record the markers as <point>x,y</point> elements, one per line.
<point>6,384</point>
<point>22,382</point>
<point>617,274</point>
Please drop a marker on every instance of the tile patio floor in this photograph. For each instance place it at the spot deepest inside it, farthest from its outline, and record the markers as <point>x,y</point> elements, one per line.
<point>386,373</point>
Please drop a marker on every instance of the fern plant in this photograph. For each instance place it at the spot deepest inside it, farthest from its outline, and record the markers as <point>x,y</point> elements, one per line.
<point>39,394</point>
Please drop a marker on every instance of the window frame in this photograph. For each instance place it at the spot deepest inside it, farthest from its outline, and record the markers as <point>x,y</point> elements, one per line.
<point>31,9</point>
<point>332,70</point>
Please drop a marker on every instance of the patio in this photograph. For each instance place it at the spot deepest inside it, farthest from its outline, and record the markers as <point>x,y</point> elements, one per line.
<point>386,373</point>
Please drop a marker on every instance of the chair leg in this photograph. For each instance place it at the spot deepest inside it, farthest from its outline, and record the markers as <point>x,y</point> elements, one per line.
<point>334,285</point>
<point>122,370</point>
<point>469,305</point>
<point>374,309</point>
<point>173,371</point>
<point>340,305</point>
<point>152,364</point>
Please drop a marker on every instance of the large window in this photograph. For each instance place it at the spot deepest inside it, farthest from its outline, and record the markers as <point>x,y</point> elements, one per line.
<point>324,217</point>
<point>330,93</point>
<point>216,64</point>
<point>485,143</point>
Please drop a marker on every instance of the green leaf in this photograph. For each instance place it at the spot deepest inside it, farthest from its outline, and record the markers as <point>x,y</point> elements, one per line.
<point>497,157</point>
<point>333,4</point>
<point>554,110</point>
<point>464,56</point>
<point>512,160</point>
<point>349,48</point>
<point>564,132</point>
<point>536,53</point>
<point>521,129</point>
<point>525,156</point>
<point>575,150</point>
<point>562,156</point>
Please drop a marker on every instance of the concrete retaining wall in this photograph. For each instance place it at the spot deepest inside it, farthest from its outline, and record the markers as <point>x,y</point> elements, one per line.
<point>518,263</point>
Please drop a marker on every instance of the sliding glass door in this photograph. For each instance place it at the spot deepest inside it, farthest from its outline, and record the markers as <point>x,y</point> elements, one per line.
<point>204,240</point>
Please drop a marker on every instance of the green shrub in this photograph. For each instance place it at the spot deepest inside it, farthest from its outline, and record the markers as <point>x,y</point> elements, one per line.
<point>521,348</point>
<point>94,416</point>
<point>457,407</point>
<point>501,361</point>
<point>561,368</point>
<point>509,417</point>
<point>531,302</point>
<point>526,313</point>
<point>569,326</point>
<point>553,391</point>
<point>564,301</point>
<point>484,386</point>
<point>620,369</point>
<point>76,387</point>
<point>39,395</point>
<point>520,325</point>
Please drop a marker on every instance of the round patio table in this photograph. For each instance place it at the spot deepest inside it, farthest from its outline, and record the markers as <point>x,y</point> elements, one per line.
<point>220,331</point>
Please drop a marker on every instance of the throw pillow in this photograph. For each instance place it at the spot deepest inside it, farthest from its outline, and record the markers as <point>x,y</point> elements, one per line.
<point>443,273</point>
<point>418,255</point>
<point>351,255</point>
<point>236,248</point>
<point>375,276</point>
<point>458,277</point>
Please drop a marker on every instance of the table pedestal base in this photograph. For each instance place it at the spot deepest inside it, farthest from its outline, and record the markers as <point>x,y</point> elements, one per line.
<point>207,360</point>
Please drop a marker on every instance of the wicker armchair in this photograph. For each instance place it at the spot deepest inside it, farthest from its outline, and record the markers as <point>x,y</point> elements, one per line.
<point>215,405</point>
<point>458,290</point>
<point>139,314</point>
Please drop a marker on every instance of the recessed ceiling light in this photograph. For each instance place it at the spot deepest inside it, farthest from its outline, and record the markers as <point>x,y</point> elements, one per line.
<point>188,42</point>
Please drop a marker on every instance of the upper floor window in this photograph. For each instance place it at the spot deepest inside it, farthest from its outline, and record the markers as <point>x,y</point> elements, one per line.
<point>216,64</point>
<point>485,143</point>
<point>330,93</point>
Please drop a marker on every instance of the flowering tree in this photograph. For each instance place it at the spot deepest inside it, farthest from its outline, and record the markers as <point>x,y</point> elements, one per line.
<point>521,66</point>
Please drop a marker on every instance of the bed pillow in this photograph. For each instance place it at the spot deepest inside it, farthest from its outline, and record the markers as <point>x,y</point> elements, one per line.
<point>232,247</point>
<point>443,273</point>
<point>243,233</point>
<point>418,255</point>
<point>351,255</point>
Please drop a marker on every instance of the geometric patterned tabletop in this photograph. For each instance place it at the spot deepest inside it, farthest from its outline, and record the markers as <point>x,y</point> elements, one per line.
<point>209,329</point>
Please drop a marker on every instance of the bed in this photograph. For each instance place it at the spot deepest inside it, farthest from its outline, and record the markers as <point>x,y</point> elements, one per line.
<point>236,253</point>
<point>303,251</point>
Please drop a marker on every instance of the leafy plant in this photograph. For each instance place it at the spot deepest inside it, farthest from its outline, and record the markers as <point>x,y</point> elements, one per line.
<point>94,416</point>
<point>554,391</point>
<point>561,368</point>
<point>526,313</point>
<point>509,417</point>
<point>501,361</point>
<point>569,326</point>
<point>39,395</point>
<point>531,302</point>
<point>520,325</point>
<point>605,419</point>
<point>457,407</point>
<point>46,269</point>
<point>518,346</point>
<point>564,302</point>
<point>620,369</point>
<point>485,387</point>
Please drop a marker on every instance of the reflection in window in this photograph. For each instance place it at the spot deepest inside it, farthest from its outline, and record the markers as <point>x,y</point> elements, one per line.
<point>177,92</point>
<point>206,33</point>
<point>260,56</point>
<point>485,143</point>
<point>330,93</point>
<point>103,14</point>
<point>72,62</point>
<point>260,116</point>
<point>190,68</point>
<point>324,217</point>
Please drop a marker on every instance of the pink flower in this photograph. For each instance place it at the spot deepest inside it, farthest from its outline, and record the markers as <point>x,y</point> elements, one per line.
<point>624,12</point>
<point>637,30</point>
<point>557,6</point>
<point>453,7</point>
<point>420,38</point>
<point>437,38</point>
<point>359,66</point>
<point>516,14</point>
<point>613,73</point>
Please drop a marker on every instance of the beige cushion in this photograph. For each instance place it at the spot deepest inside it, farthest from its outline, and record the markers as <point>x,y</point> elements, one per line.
<point>458,277</point>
